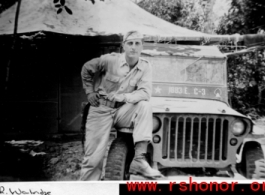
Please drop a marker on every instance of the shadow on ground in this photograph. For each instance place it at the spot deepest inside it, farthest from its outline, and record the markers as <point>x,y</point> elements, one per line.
<point>30,160</point>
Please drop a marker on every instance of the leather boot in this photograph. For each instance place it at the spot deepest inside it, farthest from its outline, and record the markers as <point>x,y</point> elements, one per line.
<point>139,163</point>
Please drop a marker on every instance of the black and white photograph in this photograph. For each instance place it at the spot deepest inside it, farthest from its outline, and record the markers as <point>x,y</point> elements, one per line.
<point>132,90</point>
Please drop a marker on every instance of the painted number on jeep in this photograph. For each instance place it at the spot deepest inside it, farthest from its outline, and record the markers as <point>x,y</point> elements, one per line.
<point>199,91</point>
<point>169,90</point>
<point>184,90</point>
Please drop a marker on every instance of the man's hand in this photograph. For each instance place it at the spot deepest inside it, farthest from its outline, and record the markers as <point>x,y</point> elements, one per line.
<point>116,97</point>
<point>93,99</point>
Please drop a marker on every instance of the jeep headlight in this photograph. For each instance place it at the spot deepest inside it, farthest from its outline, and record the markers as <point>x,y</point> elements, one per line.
<point>238,127</point>
<point>156,124</point>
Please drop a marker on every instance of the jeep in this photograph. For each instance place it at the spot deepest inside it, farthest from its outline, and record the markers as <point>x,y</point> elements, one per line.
<point>195,130</point>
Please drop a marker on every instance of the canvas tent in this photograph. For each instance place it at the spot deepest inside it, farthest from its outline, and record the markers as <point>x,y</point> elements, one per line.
<point>106,17</point>
<point>44,85</point>
<point>103,18</point>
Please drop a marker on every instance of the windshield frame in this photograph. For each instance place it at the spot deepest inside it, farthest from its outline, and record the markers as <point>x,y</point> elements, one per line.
<point>193,61</point>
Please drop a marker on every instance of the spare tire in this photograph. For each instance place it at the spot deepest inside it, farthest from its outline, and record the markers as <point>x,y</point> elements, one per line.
<point>118,160</point>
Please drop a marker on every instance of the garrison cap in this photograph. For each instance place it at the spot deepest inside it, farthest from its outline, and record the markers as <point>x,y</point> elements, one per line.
<point>132,35</point>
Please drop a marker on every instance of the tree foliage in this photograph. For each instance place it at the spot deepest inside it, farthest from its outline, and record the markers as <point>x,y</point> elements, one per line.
<point>244,17</point>
<point>246,82</point>
<point>246,79</point>
<point>186,13</point>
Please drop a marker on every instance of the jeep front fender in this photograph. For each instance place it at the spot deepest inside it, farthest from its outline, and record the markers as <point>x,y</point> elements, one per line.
<point>259,139</point>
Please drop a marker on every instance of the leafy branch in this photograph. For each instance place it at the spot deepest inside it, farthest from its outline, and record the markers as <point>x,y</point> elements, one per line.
<point>93,1</point>
<point>60,4</point>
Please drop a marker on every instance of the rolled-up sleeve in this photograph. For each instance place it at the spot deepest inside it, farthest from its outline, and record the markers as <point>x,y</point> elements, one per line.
<point>89,70</point>
<point>144,87</point>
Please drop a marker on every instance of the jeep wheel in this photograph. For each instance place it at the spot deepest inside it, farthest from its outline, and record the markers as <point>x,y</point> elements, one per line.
<point>255,163</point>
<point>118,161</point>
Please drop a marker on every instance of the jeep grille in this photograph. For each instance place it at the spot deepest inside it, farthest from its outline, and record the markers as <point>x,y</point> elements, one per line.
<point>195,138</point>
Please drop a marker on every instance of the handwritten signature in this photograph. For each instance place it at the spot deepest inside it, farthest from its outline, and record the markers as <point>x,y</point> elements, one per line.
<point>19,191</point>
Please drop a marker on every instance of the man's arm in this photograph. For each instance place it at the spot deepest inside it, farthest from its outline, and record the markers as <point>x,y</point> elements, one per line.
<point>87,74</point>
<point>88,71</point>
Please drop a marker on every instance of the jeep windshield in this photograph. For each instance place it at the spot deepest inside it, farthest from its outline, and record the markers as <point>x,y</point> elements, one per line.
<point>185,71</point>
<point>173,69</point>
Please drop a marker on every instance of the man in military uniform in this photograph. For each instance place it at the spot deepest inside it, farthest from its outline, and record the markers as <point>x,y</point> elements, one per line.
<point>119,96</point>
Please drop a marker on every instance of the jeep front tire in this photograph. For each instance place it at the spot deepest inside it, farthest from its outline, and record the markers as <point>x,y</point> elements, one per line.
<point>255,163</point>
<point>118,160</point>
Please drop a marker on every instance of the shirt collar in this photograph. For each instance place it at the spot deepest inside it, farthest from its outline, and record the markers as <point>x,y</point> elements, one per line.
<point>123,62</point>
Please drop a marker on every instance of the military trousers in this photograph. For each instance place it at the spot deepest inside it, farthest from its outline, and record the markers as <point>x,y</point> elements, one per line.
<point>99,123</point>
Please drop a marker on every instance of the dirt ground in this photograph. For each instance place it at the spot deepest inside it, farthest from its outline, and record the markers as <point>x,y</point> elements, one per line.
<point>56,160</point>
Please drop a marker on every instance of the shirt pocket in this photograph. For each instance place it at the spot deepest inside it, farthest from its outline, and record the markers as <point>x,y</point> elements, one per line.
<point>111,82</point>
<point>132,85</point>
<point>133,82</point>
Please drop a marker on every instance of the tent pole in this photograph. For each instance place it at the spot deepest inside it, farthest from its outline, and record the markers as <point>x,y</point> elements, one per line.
<point>12,51</point>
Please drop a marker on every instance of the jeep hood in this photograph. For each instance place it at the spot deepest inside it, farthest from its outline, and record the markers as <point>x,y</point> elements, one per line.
<point>196,106</point>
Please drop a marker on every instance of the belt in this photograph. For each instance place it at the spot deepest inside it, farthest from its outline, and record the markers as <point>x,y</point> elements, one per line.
<point>111,104</point>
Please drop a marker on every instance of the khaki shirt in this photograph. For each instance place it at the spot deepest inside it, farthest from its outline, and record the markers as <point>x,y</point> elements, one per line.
<point>110,73</point>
